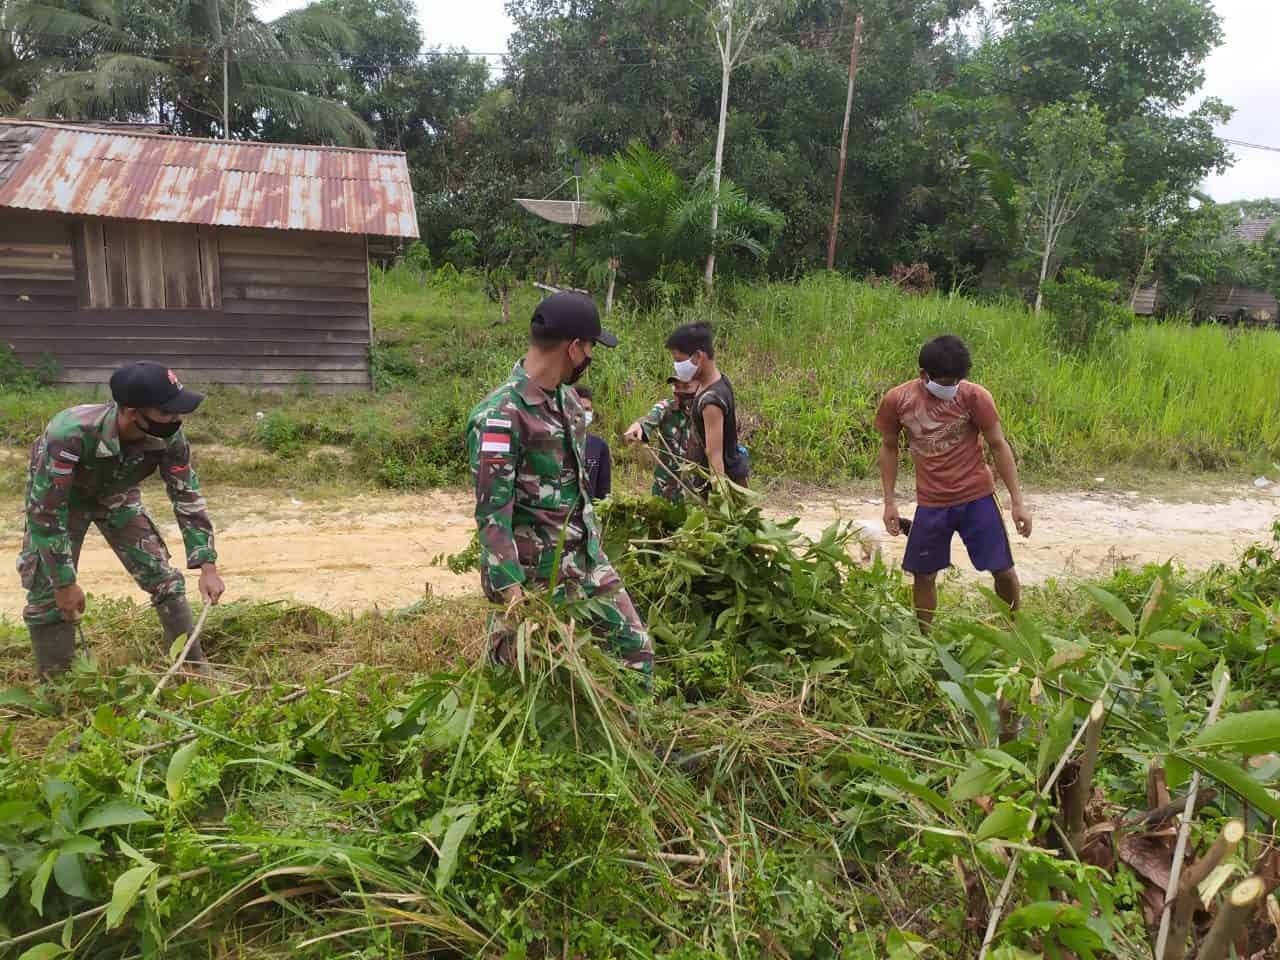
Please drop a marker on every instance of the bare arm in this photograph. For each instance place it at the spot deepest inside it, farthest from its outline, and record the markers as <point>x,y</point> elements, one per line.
<point>713,425</point>
<point>1002,454</point>
<point>889,481</point>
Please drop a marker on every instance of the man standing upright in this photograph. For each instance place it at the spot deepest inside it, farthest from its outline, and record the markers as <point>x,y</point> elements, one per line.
<point>526,444</point>
<point>945,418</point>
<point>714,415</point>
<point>86,468</point>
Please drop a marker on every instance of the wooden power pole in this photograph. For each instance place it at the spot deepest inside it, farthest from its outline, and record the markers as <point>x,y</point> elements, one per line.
<point>844,143</point>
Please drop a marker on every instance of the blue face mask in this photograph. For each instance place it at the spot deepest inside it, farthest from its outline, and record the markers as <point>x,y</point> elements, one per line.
<point>941,392</point>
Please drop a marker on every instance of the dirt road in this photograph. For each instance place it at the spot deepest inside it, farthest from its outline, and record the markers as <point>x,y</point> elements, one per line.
<point>377,551</point>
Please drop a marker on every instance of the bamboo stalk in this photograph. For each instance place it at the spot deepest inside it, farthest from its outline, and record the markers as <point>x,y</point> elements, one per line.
<point>1078,793</point>
<point>1186,895</point>
<point>1232,914</point>
<point>1095,714</point>
<point>1180,847</point>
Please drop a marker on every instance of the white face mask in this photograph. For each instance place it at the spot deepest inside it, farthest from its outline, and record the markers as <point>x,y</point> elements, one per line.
<point>686,370</point>
<point>587,417</point>
<point>941,392</point>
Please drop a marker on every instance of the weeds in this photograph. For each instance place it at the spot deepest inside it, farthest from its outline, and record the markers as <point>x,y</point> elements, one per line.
<point>811,778</point>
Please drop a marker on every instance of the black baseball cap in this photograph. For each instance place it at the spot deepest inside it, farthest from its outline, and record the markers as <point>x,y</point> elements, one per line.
<point>570,316</point>
<point>147,384</point>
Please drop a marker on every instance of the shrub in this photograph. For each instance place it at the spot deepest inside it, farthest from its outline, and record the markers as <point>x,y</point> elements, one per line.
<point>1083,307</point>
<point>17,376</point>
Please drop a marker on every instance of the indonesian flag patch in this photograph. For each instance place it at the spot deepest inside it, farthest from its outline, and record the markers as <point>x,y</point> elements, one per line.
<point>495,443</point>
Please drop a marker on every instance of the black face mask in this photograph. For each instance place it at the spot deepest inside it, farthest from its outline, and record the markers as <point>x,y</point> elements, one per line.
<point>576,373</point>
<point>161,430</point>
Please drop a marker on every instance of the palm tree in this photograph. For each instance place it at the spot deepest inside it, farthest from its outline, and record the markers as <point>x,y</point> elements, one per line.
<point>652,218</point>
<point>205,65</point>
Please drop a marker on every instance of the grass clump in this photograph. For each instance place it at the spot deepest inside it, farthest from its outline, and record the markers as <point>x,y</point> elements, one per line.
<point>810,777</point>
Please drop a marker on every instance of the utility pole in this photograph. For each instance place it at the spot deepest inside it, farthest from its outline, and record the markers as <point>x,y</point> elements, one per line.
<point>844,143</point>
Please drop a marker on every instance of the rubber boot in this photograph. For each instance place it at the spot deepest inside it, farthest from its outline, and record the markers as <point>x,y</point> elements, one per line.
<point>54,646</point>
<point>176,620</point>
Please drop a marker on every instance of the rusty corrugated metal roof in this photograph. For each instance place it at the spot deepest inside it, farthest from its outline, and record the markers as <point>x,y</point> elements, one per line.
<point>139,176</point>
<point>1254,231</point>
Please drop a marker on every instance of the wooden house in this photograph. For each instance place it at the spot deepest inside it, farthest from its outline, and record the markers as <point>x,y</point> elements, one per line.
<point>233,262</point>
<point>1242,305</point>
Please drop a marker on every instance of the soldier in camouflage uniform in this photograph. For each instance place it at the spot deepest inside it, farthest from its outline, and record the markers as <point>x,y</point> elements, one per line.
<point>86,468</point>
<point>526,444</point>
<point>667,428</point>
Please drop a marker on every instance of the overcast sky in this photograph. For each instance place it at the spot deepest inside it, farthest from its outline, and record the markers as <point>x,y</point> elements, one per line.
<point>1244,72</point>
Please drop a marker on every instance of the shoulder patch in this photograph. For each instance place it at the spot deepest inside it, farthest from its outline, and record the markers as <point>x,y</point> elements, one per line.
<point>68,456</point>
<point>497,423</point>
<point>495,443</point>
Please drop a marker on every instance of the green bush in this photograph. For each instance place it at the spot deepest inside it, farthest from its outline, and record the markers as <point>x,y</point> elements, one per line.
<point>18,377</point>
<point>1083,308</point>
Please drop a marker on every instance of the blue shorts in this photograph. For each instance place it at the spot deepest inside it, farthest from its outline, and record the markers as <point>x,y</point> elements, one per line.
<point>980,526</point>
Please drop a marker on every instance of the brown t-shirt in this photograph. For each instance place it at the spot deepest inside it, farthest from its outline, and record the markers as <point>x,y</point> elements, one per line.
<point>945,439</point>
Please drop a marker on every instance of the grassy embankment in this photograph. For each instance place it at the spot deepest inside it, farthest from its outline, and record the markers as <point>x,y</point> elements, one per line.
<point>809,361</point>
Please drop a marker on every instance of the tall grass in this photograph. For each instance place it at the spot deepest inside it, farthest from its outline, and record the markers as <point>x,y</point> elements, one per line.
<point>810,361</point>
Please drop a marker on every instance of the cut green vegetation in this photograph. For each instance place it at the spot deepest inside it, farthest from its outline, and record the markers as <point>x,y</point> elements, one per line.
<point>810,778</point>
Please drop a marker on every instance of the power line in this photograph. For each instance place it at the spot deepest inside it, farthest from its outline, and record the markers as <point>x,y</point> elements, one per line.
<point>1251,146</point>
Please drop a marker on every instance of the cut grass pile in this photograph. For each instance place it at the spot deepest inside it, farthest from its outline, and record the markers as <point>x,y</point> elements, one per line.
<point>809,359</point>
<point>809,779</point>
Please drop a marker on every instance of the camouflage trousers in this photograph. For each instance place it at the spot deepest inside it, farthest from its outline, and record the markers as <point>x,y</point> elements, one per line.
<point>666,485</point>
<point>614,620</point>
<point>130,533</point>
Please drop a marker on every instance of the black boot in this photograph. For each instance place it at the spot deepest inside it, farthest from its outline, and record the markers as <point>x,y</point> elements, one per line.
<point>176,620</point>
<point>54,646</point>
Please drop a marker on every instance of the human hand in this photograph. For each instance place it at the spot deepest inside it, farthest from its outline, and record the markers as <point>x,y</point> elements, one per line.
<point>634,434</point>
<point>892,522</point>
<point>1022,519</point>
<point>211,585</point>
<point>70,602</point>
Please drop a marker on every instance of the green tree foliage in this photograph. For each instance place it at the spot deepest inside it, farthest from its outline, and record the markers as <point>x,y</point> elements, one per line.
<point>115,60</point>
<point>1069,159</point>
<point>655,219</point>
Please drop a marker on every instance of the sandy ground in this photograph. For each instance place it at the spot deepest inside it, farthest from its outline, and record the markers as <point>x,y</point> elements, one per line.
<point>378,551</point>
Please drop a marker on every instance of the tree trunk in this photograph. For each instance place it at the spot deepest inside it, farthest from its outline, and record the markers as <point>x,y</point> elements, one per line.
<point>726,65</point>
<point>613,276</point>
<point>844,143</point>
<point>226,97</point>
<point>1044,270</point>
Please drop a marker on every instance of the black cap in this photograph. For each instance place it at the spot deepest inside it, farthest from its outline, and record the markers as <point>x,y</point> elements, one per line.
<point>570,316</point>
<point>147,384</point>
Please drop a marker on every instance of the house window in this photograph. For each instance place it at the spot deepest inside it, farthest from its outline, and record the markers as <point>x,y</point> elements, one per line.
<point>147,266</point>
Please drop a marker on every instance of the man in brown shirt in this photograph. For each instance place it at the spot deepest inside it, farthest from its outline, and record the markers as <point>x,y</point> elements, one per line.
<point>945,418</point>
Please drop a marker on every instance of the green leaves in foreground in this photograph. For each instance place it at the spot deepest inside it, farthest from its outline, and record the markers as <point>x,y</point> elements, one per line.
<point>1248,733</point>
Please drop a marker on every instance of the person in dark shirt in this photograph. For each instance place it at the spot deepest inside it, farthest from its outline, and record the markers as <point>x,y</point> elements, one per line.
<point>599,461</point>
<point>714,415</point>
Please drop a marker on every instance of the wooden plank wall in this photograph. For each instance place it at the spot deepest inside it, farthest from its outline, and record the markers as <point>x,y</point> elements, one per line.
<point>294,309</point>
<point>37,266</point>
<point>1260,307</point>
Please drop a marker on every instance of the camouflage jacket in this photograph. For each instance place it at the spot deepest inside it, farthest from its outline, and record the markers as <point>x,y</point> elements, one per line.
<point>666,429</point>
<point>79,464</point>
<point>526,448</point>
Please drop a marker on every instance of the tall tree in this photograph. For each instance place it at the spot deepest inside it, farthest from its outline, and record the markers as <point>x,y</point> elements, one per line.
<point>1069,158</point>
<point>208,66</point>
<point>732,23</point>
